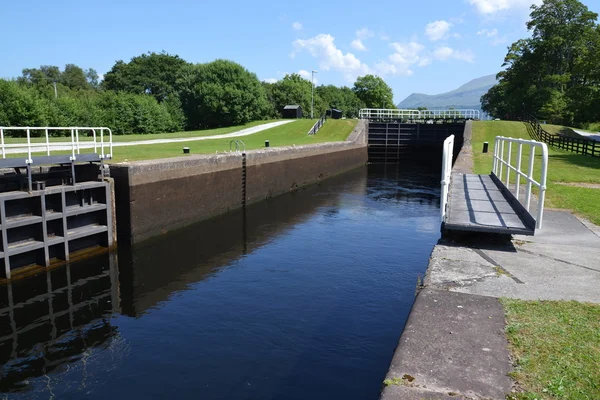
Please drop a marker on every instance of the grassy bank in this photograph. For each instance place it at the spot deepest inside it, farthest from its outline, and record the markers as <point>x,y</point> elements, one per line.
<point>294,133</point>
<point>564,167</point>
<point>556,348</point>
<point>36,135</point>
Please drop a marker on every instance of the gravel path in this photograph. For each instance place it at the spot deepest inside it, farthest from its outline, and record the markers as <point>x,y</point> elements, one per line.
<point>57,146</point>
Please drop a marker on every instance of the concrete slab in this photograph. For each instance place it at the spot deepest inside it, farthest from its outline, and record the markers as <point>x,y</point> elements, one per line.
<point>563,228</point>
<point>453,346</point>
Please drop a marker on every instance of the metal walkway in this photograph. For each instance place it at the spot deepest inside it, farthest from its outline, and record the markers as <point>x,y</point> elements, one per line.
<point>484,203</point>
<point>480,203</point>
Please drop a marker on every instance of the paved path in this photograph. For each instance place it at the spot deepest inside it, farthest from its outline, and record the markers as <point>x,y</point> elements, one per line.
<point>453,346</point>
<point>57,146</point>
<point>593,136</point>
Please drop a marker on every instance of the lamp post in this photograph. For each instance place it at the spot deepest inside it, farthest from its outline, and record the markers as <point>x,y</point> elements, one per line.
<point>312,93</point>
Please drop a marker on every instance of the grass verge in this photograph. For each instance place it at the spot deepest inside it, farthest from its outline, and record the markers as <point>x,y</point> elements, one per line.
<point>150,136</point>
<point>556,348</point>
<point>563,167</point>
<point>294,133</point>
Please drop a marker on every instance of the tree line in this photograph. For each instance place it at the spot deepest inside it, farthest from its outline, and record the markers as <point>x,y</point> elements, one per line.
<point>160,92</point>
<point>554,74</point>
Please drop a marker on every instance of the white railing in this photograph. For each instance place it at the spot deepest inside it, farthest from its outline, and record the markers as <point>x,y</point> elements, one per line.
<point>447,155</point>
<point>318,125</point>
<point>29,144</point>
<point>383,114</point>
<point>502,158</point>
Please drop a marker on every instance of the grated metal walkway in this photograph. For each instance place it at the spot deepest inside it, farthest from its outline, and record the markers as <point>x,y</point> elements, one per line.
<point>481,203</point>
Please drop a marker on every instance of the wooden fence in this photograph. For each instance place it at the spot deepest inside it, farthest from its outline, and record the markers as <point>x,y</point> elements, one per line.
<point>583,146</point>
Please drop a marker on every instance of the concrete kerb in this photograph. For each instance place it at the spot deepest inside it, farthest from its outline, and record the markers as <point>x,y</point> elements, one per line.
<point>559,263</point>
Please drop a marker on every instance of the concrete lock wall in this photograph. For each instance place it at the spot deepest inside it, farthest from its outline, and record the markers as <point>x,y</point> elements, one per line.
<point>154,197</point>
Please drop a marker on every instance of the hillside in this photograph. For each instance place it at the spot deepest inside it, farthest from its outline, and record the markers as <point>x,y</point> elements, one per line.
<point>466,96</point>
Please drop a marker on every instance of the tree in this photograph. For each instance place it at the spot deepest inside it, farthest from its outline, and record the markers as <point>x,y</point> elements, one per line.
<point>221,93</point>
<point>74,77</point>
<point>293,89</point>
<point>553,74</point>
<point>155,74</point>
<point>341,98</point>
<point>374,92</point>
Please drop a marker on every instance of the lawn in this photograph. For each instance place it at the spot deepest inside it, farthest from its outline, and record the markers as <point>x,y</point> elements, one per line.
<point>563,167</point>
<point>556,348</point>
<point>37,138</point>
<point>294,133</point>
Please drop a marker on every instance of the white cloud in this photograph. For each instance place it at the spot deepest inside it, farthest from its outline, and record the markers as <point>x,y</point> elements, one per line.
<point>297,26</point>
<point>323,47</point>
<point>307,75</point>
<point>444,53</point>
<point>270,80</point>
<point>357,44</point>
<point>437,30</point>
<point>361,35</point>
<point>488,33</point>
<point>495,40</point>
<point>364,33</point>
<point>495,6</point>
<point>404,57</point>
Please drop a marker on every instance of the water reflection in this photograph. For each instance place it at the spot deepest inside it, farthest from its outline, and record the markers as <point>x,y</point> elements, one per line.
<point>290,298</point>
<point>56,318</point>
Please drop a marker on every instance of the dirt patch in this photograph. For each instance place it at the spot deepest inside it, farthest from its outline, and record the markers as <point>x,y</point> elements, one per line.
<point>580,184</point>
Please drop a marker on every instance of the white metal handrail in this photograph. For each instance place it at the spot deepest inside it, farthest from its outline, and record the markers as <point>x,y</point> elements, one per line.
<point>380,113</point>
<point>74,145</point>
<point>447,155</point>
<point>502,159</point>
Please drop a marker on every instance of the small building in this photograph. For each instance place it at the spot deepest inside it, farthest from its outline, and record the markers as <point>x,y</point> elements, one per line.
<point>336,114</point>
<point>292,111</point>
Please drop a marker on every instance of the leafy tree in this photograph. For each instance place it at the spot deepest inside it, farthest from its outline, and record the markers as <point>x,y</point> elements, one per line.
<point>74,77</point>
<point>374,92</point>
<point>341,98</point>
<point>155,74</point>
<point>293,89</point>
<point>553,74</point>
<point>221,93</point>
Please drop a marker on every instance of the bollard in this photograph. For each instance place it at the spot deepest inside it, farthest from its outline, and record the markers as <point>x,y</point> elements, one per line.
<point>485,147</point>
<point>267,143</point>
<point>186,150</point>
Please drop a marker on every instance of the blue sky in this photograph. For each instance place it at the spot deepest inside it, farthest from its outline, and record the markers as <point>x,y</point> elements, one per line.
<point>429,46</point>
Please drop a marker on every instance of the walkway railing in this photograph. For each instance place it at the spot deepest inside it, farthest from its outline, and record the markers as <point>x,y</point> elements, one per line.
<point>318,125</point>
<point>504,158</point>
<point>583,146</point>
<point>32,140</point>
<point>447,155</point>
<point>391,114</point>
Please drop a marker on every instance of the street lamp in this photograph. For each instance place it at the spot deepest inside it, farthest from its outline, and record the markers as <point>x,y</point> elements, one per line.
<point>312,93</point>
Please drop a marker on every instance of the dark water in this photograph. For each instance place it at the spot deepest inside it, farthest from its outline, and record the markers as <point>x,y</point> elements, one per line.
<point>303,297</point>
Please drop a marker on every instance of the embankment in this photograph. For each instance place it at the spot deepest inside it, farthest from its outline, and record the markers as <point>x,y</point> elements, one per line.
<point>157,196</point>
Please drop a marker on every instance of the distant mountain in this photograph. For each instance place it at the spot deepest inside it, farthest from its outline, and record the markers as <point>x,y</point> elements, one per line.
<point>467,96</point>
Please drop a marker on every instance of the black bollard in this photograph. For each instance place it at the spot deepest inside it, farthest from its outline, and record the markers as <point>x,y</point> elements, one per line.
<point>186,150</point>
<point>485,147</point>
<point>267,143</point>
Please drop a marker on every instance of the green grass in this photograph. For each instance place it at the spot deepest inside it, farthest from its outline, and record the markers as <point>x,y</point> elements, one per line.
<point>134,137</point>
<point>563,130</point>
<point>555,347</point>
<point>294,133</point>
<point>563,166</point>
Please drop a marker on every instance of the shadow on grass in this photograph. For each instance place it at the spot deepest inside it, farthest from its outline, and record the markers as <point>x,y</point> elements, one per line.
<point>577,159</point>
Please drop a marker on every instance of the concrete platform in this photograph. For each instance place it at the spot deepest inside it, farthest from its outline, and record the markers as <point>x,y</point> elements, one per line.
<point>453,346</point>
<point>478,204</point>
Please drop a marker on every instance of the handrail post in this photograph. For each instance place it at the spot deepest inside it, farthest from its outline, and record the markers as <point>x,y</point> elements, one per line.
<point>542,195</point>
<point>47,142</point>
<point>2,138</point>
<point>508,165</point>
<point>529,178</point>
<point>73,158</point>
<point>518,183</point>
<point>95,146</point>
<point>29,161</point>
